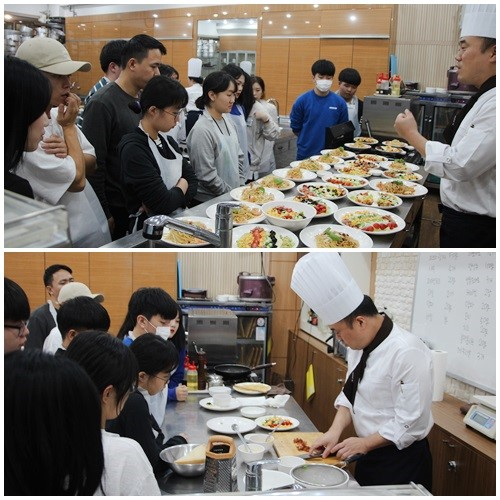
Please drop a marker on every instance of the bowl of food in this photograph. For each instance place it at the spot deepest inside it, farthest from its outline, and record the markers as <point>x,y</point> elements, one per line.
<point>266,440</point>
<point>185,459</point>
<point>290,215</point>
<point>250,452</point>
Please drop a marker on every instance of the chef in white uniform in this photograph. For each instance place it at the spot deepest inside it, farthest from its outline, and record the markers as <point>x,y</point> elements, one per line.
<point>388,391</point>
<point>466,163</point>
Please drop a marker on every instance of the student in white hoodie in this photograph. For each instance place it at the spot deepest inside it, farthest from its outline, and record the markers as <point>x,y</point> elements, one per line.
<point>113,369</point>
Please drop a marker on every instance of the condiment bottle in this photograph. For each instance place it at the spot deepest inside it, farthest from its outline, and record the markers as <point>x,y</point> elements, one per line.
<point>202,369</point>
<point>396,85</point>
<point>192,377</point>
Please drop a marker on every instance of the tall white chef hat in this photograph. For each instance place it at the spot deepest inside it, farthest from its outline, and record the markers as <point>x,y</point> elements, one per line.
<point>246,66</point>
<point>479,20</point>
<point>323,282</point>
<point>194,67</point>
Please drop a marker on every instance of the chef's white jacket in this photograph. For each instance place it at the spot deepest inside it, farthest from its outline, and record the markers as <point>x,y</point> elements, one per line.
<point>395,394</point>
<point>468,167</point>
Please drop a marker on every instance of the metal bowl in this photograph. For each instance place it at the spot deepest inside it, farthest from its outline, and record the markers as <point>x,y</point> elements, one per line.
<point>319,476</point>
<point>170,455</point>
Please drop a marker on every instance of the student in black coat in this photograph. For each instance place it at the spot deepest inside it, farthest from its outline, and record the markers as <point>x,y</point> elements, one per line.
<point>158,180</point>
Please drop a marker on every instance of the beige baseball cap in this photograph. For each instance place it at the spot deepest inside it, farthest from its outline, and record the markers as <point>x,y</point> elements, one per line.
<point>51,56</point>
<point>75,289</point>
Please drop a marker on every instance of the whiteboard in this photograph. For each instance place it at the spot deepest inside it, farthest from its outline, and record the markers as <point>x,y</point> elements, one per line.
<point>454,311</point>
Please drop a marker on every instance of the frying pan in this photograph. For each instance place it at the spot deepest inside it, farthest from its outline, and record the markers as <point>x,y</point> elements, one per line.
<point>234,372</point>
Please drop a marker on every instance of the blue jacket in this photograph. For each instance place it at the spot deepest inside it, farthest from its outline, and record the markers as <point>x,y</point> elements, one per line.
<point>177,377</point>
<point>310,116</point>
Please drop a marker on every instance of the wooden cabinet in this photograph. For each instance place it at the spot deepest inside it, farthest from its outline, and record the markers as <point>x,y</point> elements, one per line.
<point>297,366</point>
<point>463,460</point>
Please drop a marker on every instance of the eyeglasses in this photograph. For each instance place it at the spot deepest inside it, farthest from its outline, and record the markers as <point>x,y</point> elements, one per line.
<point>21,329</point>
<point>161,378</point>
<point>176,114</point>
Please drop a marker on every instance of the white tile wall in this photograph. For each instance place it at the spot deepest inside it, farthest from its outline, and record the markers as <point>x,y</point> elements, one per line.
<point>394,289</point>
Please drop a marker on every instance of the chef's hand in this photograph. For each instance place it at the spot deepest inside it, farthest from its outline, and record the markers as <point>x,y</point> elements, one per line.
<point>66,114</point>
<point>55,145</point>
<point>181,392</point>
<point>405,124</point>
<point>324,445</point>
<point>350,446</point>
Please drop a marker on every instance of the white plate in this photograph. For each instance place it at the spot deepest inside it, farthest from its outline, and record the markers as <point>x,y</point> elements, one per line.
<point>211,210</point>
<point>412,166</point>
<point>241,388</point>
<point>376,195</point>
<point>252,411</point>
<point>239,231</point>
<point>297,163</point>
<point>236,194</point>
<point>346,177</point>
<point>368,156</point>
<point>208,404</point>
<point>307,175</point>
<point>308,235</point>
<point>366,140</point>
<point>400,223</point>
<point>401,176</point>
<point>330,206</point>
<point>338,160</point>
<point>272,479</point>
<point>223,424</point>
<point>400,144</point>
<point>357,146</point>
<point>343,169</point>
<point>287,184</point>
<point>314,186</point>
<point>347,154</point>
<point>383,149</point>
<point>205,220</point>
<point>419,189</point>
<point>260,422</point>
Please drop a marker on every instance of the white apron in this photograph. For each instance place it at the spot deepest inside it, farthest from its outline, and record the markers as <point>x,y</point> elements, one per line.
<point>227,162</point>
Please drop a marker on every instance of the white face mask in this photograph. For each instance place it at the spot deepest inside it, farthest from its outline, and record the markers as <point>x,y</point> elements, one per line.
<point>163,332</point>
<point>323,85</point>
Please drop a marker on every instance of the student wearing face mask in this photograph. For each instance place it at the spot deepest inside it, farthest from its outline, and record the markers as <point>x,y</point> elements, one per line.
<point>316,110</point>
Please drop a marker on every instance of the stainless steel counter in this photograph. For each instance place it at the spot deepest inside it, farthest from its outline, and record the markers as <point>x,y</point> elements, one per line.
<point>190,418</point>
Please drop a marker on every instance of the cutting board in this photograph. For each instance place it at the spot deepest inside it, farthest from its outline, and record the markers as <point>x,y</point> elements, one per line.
<point>284,445</point>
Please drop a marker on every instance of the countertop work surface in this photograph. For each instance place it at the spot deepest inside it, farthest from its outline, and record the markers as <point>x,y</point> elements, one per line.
<point>190,418</point>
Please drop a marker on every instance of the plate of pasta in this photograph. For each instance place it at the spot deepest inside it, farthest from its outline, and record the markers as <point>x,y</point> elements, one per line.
<point>246,213</point>
<point>370,220</point>
<point>403,189</point>
<point>254,193</point>
<point>347,181</point>
<point>340,152</point>
<point>324,208</point>
<point>371,157</point>
<point>323,190</point>
<point>334,236</point>
<point>296,174</point>
<point>377,199</point>
<point>328,158</point>
<point>263,236</point>
<point>399,165</point>
<point>315,166</point>
<point>181,239</point>
<point>275,182</point>
<point>404,176</point>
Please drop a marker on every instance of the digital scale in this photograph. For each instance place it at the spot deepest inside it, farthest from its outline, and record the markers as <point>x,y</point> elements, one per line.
<point>482,415</point>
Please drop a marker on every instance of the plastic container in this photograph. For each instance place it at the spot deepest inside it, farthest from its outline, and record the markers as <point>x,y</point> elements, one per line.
<point>192,377</point>
<point>396,85</point>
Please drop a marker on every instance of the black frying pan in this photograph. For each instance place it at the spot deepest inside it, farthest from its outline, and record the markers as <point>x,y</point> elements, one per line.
<point>234,372</point>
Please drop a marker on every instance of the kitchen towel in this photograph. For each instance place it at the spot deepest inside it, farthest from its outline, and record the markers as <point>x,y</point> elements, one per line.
<point>310,388</point>
<point>439,359</point>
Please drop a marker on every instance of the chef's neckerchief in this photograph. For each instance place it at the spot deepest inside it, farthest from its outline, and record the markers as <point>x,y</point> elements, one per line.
<point>451,129</point>
<point>351,385</point>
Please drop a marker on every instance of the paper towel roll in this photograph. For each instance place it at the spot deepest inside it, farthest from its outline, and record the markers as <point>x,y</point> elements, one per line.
<point>439,374</point>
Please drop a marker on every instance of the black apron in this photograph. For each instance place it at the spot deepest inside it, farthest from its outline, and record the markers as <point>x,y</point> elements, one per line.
<point>388,465</point>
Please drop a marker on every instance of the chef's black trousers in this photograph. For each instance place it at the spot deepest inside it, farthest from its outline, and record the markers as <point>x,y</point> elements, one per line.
<point>388,465</point>
<point>461,230</point>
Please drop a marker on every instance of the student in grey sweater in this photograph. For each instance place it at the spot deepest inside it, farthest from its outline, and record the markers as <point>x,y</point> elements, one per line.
<point>213,145</point>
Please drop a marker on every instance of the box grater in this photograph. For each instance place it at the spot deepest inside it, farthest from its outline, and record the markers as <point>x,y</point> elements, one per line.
<point>221,473</point>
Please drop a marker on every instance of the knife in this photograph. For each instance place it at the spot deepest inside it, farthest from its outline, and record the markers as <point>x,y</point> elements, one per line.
<point>341,464</point>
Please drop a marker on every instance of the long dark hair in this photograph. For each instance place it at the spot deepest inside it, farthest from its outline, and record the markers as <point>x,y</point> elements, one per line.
<point>246,98</point>
<point>161,92</point>
<point>154,354</point>
<point>26,96</point>
<point>148,302</point>
<point>52,419</point>
<point>107,360</point>
<point>179,339</point>
<point>216,82</point>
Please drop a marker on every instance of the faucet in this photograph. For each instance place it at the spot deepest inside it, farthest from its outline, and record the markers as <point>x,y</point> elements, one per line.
<point>253,474</point>
<point>223,236</point>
